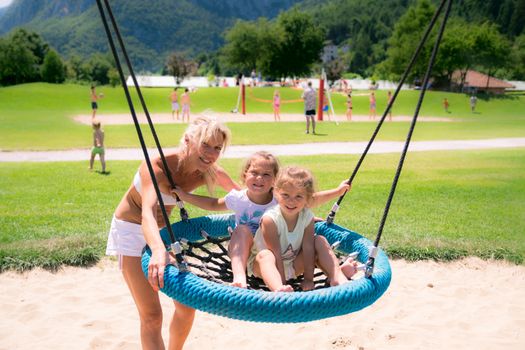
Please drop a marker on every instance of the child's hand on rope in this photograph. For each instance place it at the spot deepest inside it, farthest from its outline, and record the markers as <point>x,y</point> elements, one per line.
<point>344,187</point>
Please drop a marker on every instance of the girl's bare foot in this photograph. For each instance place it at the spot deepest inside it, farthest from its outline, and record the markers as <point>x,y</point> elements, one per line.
<point>338,280</point>
<point>349,267</point>
<point>285,288</point>
<point>239,282</point>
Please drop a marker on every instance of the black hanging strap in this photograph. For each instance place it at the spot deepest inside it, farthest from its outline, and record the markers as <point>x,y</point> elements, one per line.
<point>371,259</point>
<point>183,212</point>
<point>331,216</point>
<point>175,246</point>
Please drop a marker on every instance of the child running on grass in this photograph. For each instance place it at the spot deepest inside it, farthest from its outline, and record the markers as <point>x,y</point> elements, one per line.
<point>285,245</point>
<point>98,146</point>
<point>249,204</point>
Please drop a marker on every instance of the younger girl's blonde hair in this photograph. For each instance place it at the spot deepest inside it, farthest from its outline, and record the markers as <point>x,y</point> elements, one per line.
<point>201,130</point>
<point>264,155</point>
<point>297,177</point>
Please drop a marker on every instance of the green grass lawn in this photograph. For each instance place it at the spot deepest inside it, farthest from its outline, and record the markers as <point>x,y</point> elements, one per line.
<point>39,117</point>
<point>447,205</point>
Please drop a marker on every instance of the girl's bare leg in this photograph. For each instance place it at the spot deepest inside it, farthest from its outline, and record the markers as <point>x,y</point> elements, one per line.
<point>180,326</point>
<point>239,251</point>
<point>328,262</point>
<point>147,302</point>
<point>266,268</point>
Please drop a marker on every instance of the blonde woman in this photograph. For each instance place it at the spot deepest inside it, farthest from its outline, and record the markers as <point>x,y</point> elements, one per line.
<point>137,221</point>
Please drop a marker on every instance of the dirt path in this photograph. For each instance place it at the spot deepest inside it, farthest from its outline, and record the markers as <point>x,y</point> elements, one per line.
<point>279,150</point>
<point>166,118</point>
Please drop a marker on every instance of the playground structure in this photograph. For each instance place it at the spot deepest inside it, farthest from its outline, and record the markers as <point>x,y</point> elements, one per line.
<point>240,107</point>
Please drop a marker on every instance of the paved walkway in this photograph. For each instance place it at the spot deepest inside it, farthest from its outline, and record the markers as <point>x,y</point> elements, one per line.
<point>278,150</point>
<point>166,118</point>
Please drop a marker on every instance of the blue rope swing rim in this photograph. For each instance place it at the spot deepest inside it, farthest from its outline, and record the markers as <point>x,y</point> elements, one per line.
<point>261,306</point>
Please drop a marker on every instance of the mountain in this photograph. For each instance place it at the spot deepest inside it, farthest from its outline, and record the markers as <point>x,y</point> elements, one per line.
<point>151,29</point>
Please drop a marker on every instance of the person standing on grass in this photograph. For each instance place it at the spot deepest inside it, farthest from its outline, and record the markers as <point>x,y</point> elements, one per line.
<point>98,146</point>
<point>473,101</point>
<point>372,111</point>
<point>138,219</point>
<point>446,104</point>
<point>326,106</point>
<point>185,100</point>
<point>94,99</point>
<point>309,107</point>
<point>174,98</point>
<point>276,106</point>
<point>388,100</point>
<point>349,107</point>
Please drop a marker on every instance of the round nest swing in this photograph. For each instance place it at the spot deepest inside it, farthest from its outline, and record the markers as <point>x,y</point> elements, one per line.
<point>202,292</point>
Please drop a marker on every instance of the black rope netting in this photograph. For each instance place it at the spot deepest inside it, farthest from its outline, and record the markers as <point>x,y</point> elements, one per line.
<point>209,259</point>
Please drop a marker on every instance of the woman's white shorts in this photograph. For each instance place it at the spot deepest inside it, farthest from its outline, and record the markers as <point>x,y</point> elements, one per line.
<point>125,238</point>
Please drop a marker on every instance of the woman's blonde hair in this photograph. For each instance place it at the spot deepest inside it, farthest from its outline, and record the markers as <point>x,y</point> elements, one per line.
<point>297,177</point>
<point>202,130</point>
<point>264,155</point>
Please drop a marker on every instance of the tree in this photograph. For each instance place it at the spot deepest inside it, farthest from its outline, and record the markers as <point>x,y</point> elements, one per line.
<point>76,69</point>
<point>456,52</point>
<point>243,49</point>
<point>335,69</point>
<point>53,69</point>
<point>518,58</point>
<point>297,44</point>
<point>491,49</point>
<point>33,41</point>
<point>179,66</point>
<point>407,34</point>
<point>21,56</point>
<point>17,63</point>
<point>98,67</point>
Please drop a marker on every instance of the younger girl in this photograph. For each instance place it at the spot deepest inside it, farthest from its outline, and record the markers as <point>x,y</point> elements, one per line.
<point>249,205</point>
<point>276,106</point>
<point>98,146</point>
<point>285,245</point>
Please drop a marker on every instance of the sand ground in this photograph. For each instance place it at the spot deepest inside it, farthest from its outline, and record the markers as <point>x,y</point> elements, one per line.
<point>468,304</point>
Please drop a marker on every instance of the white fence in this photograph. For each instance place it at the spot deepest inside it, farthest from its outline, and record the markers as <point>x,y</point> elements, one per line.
<point>195,82</point>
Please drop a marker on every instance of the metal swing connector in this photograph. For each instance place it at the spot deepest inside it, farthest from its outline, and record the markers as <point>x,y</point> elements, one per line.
<point>176,248</point>
<point>331,216</point>
<point>183,213</point>
<point>369,268</point>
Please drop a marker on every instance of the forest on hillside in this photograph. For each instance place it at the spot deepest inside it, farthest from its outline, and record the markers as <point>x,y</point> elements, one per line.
<point>372,37</point>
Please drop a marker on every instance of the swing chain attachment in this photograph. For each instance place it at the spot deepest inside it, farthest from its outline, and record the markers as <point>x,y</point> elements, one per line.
<point>372,253</point>
<point>176,249</point>
<point>331,216</point>
<point>183,212</point>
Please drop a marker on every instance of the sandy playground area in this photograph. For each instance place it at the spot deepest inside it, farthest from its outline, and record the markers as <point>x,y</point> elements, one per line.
<point>468,304</point>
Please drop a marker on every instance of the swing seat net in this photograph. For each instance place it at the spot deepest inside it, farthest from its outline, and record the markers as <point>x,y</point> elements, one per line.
<point>206,286</point>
